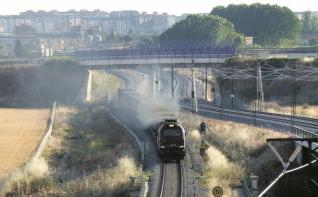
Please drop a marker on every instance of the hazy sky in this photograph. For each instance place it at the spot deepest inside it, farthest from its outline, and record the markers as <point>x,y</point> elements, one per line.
<point>170,6</point>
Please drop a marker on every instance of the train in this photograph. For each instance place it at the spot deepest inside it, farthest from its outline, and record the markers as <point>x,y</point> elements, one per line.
<point>168,132</point>
<point>170,139</point>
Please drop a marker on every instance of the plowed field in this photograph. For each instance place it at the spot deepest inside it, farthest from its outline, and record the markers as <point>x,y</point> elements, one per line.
<point>21,130</point>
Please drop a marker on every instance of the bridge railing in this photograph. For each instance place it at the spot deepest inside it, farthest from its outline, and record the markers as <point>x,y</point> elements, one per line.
<point>304,133</point>
<point>117,54</point>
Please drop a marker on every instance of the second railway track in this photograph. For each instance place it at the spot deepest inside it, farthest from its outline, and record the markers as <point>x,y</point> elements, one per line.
<point>172,180</point>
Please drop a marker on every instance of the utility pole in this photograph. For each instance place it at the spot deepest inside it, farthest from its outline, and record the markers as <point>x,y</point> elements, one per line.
<point>260,92</point>
<point>157,81</point>
<point>232,90</point>
<point>193,91</point>
<point>172,83</point>
<point>82,30</point>
<point>293,96</point>
<point>152,82</point>
<point>206,82</point>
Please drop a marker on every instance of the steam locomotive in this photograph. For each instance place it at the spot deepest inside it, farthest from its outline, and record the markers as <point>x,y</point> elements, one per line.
<point>170,139</point>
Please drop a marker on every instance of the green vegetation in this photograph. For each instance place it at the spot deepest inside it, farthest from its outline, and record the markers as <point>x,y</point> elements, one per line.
<point>270,25</point>
<point>104,86</point>
<point>24,30</point>
<point>212,29</point>
<point>2,50</point>
<point>40,86</point>
<point>18,48</point>
<point>309,23</point>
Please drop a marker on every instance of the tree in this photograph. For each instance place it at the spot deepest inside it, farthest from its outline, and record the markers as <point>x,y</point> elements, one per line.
<point>212,29</point>
<point>18,48</point>
<point>307,23</point>
<point>24,30</point>
<point>268,24</point>
<point>2,50</point>
<point>314,24</point>
<point>313,42</point>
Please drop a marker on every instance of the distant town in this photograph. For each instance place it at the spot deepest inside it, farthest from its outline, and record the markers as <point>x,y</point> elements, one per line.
<point>58,29</point>
<point>45,32</point>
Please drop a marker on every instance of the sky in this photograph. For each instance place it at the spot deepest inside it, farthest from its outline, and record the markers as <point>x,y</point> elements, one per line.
<point>176,7</point>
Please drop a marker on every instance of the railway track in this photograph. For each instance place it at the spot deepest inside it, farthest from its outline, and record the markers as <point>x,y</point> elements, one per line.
<point>309,124</point>
<point>172,180</point>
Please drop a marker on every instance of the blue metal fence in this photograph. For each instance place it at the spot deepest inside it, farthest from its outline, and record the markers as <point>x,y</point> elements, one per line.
<point>218,51</point>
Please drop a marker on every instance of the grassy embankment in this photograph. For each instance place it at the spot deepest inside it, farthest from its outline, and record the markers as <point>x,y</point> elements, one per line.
<point>88,154</point>
<point>104,86</point>
<point>304,110</point>
<point>236,150</point>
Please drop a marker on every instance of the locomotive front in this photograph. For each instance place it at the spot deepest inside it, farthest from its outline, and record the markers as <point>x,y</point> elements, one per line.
<point>171,140</point>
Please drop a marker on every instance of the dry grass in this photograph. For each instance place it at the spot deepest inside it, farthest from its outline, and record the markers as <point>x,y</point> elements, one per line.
<point>304,110</point>
<point>89,154</point>
<point>236,150</point>
<point>21,131</point>
<point>102,182</point>
<point>238,140</point>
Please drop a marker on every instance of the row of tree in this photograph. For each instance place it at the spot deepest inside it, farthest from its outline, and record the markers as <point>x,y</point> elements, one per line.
<point>309,23</point>
<point>269,25</point>
<point>213,29</point>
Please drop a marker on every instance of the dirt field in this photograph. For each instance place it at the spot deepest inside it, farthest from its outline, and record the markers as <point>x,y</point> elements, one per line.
<point>20,132</point>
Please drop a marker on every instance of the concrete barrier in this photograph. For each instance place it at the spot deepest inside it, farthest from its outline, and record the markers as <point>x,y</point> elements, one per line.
<point>4,182</point>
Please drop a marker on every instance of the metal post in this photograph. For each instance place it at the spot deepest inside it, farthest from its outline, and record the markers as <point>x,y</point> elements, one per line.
<point>172,82</point>
<point>193,91</point>
<point>232,90</point>
<point>293,97</point>
<point>152,83</point>
<point>206,82</point>
<point>82,30</point>
<point>260,92</point>
<point>256,97</point>
<point>158,81</point>
<point>221,95</point>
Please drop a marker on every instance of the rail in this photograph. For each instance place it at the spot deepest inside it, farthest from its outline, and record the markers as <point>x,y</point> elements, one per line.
<point>247,188</point>
<point>167,186</point>
<point>302,126</point>
<point>303,133</point>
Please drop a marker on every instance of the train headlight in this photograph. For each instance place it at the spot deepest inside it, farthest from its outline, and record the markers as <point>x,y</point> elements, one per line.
<point>171,125</point>
<point>181,146</point>
<point>162,146</point>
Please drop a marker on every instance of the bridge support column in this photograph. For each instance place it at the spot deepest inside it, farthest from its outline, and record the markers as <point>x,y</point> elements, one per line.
<point>89,87</point>
<point>193,91</point>
<point>216,90</point>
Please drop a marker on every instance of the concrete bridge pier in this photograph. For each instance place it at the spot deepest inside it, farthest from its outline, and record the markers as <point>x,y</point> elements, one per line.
<point>215,90</point>
<point>89,86</point>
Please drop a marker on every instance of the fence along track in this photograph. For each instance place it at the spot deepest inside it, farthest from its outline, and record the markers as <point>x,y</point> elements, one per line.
<point>172,180</point>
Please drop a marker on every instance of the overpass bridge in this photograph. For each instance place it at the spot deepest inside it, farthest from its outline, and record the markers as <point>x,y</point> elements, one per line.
<point>154,56</point>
